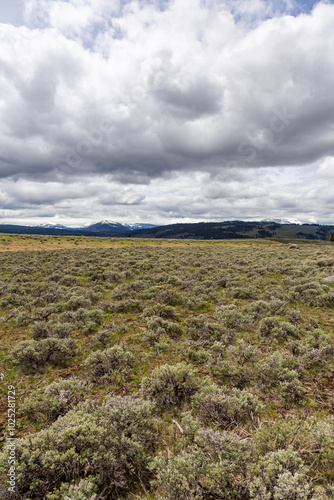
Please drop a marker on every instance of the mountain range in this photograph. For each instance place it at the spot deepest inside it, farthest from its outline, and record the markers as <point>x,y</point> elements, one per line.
<point>276,229</point>
<point>104,226</point>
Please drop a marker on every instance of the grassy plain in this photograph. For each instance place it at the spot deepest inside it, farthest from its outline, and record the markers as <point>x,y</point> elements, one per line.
<point>231,342</point>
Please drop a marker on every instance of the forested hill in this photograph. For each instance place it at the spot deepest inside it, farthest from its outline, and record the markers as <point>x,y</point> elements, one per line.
<point>201,230</point>
<point>237,230</point>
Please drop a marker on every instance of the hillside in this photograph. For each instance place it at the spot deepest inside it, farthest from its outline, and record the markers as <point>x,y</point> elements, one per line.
<point>166,369</point>
<point>201,230</point>
<point>14,229</point>
<point>237,230</point>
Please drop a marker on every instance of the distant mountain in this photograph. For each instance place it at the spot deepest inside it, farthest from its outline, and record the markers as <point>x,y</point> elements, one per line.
<point>104,226</point>
<point>199,231</point>
<point>54,226</point>
<point>107,226</point>
<point>132,227</point>
<point>288,220</point>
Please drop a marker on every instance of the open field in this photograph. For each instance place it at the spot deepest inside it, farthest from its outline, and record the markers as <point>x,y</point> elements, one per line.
<point>19,243</point>
<point>167,369</point>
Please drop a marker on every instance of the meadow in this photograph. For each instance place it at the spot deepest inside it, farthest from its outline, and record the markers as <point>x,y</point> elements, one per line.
<point>167,369</point>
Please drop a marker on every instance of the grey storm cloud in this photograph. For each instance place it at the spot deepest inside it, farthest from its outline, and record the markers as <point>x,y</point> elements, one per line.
<point>129,98</point>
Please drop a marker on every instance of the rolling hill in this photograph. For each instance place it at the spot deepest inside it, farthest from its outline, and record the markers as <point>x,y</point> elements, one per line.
<point>197,231</point>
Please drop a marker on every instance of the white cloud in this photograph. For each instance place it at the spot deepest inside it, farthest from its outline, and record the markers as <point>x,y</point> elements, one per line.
<point>326,168</point>
<point>136,97</point>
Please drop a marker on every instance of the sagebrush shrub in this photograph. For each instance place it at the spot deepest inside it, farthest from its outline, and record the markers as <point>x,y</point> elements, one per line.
<point>219,406</point>
<point>292,391</point>
<point>275,327</point>
<point>199,328</point>
<point>42,330</point>
<point>156,323</point>
<point>277,367</point>
<point>215,465</point>
<point>262,308</point>
<point>55,400</point>
<point>162,310</point>
<point>102,338</point>
<point>111,365</point>
<point>171,385</point>
<point>152,337</point>
<point>247,292</point>
<point>76,302</point>
<point>169,296</point>
<point>84,490</point>
<point>126,305</point>
<point>110,445</point>
<point>231,317</point>
<point>280,475</point>
<point>33,355</point>
<point>89,328</point>
<point>242,352</point>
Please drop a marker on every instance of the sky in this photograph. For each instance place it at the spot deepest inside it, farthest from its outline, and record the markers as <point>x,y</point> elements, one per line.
<point>165,111</point>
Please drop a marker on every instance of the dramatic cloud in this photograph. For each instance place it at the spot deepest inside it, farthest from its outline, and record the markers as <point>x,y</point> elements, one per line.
<point>156,110</point>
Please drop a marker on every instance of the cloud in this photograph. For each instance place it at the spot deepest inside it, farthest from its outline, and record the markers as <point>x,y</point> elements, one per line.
<point>253,193</point>
<point>326,169</point>
<point>132,95</point>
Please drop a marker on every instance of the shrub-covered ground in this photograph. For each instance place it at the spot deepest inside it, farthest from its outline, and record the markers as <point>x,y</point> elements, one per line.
<point>168,370</point>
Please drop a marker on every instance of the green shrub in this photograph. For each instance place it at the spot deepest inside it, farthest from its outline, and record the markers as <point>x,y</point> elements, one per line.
<point>109,445</point>
<point>171,385</point>
<point>34,355</point>
<point>218,406</point>
<point>166,312</point>
<point>280,475</point>
<point>95,315</point>
<point>56,400</point>
<point>314,349</point>
<point>326,263</point>
<point>89,328</point>
<point>40,330</point>
<point>102,338</point>
<point>277,367</point>
<point>225,466</point>
<point>308,292</point>
<point>292,390</point>
<point>112,365</point>
<point>127,305</point>
<point>261,308</point>
<point>231,317</point>
<point>231,364</point>
<point>152,337</point>
<point>76,302</point>
<point>215,465</point>
<point>169,296</point>
<point>325,300</point>
<point>244,293</point>
<point>199,328</point>
<point>43,330</point>
<point>180,477</point>
<point>156,323</point>
<point>69,281</point>
<point>197,355</point>
<point>84,490</point>
<point>314,437</point>
<point>242,352</point>
<point>275,327</point>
